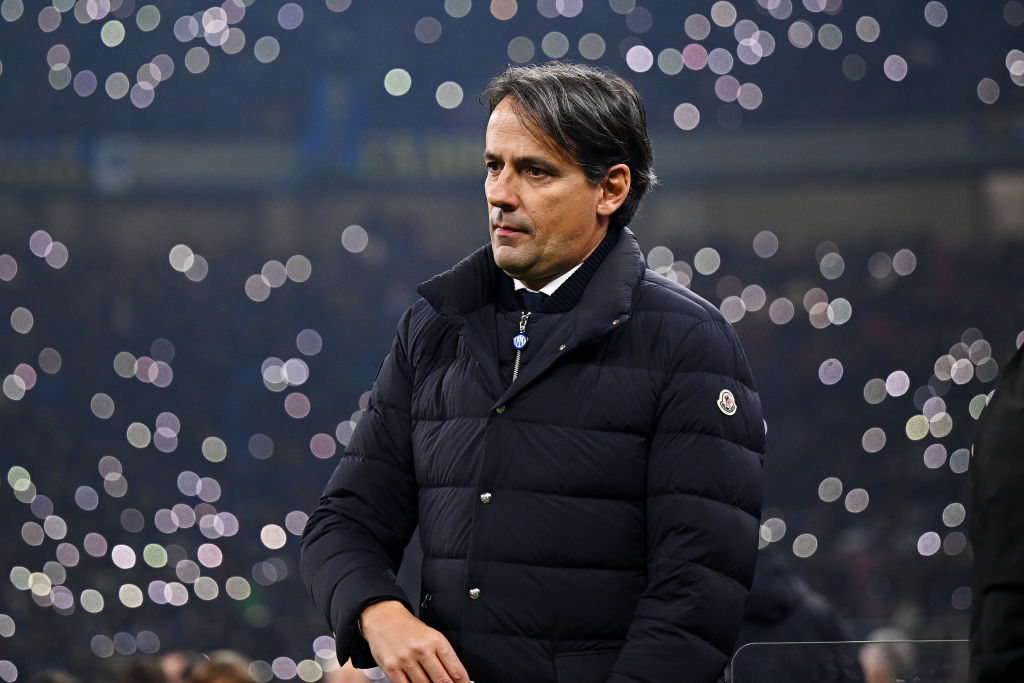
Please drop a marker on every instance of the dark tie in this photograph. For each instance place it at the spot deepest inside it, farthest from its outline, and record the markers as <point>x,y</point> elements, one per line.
<point>531,301</point>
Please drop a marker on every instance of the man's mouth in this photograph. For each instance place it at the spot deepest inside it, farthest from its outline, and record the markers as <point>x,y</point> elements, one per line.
<point>500,227</point>
<point>504,229</point>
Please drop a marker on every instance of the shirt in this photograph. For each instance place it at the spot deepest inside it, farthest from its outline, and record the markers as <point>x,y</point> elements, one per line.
<point>550,287</point>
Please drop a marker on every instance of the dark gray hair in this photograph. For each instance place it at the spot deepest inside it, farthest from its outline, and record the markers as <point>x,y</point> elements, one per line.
<point>593,115</point>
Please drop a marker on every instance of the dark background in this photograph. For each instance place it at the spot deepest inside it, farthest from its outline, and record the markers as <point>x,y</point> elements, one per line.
<point>247,162</point>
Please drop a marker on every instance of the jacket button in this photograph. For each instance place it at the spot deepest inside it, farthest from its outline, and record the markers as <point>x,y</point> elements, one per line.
<point>485,498</point>
<point>562,347</point>
<point>474,593</point>
<point>615,322</point>
<point>499,410</point>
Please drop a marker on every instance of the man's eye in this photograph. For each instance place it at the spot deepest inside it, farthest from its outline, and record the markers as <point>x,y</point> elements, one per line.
<point>535,172</point>
<point>493,166</point>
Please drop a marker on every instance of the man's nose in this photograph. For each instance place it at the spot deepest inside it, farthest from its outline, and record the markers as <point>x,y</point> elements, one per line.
<point>501,192</point>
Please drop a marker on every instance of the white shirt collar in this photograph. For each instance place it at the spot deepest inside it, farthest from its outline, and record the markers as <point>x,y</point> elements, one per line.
<point>550,287</point>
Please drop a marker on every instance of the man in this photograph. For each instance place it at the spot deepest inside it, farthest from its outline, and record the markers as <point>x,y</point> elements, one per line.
<point>997,475</point>
<point>585,468</point>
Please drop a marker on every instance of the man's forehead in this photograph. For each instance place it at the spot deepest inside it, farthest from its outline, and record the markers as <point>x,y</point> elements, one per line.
<point>510,117</point>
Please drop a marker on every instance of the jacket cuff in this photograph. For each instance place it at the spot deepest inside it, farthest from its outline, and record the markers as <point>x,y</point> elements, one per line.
<point>359,590</point>
<point>359,649</point>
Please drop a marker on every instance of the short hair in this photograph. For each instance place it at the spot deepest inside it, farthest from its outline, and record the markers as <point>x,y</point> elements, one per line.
<point>143,670</point>
<point>223,666</point>
<point>593,115</point>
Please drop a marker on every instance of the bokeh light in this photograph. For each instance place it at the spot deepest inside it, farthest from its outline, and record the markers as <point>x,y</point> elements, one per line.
<point>503,10</point>
<point>805,545</point>
<point>591,46</point>
<point>686,116</point>
<point>935,13</point>
<point>895,68</point>
<point>830,489</point>
<point>397,82</point>
<point>266,49</point>
<point>427,30</point>
<point>830,371</point>
<point>857,500</point>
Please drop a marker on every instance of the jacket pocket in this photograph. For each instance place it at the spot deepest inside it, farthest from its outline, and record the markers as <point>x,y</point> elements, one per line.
<point>585,667</point>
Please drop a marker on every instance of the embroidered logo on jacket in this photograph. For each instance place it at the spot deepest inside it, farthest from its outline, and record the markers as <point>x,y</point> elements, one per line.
<point>727,402</point>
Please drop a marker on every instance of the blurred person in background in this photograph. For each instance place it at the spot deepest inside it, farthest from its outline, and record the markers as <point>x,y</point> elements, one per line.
<point>54,676</point>
<point>177,665</point>
<point>143,670</point>
<point>782,608</point>
<point>222,666</point>
<point>890,658</point>
<point>579,438</point>
<point>997,533</point>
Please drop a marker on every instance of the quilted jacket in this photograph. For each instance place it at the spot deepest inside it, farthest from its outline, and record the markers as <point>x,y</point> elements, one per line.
<point>596,520</point>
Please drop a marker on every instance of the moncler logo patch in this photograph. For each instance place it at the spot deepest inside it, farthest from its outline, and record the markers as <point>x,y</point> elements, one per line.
<point>727,402</point>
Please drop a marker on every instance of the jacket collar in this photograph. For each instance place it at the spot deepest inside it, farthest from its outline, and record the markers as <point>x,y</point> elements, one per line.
<point>468,286</point>
<point>465,296</point>
<point>472,283</point>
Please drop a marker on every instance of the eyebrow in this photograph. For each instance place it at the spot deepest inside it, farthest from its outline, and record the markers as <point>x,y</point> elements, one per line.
<point>522,161</point>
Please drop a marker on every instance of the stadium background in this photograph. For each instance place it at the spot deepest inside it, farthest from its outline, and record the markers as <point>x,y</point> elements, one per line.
<point>211,217</point>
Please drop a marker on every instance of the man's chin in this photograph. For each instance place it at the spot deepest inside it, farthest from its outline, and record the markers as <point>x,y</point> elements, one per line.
<point>509,260</point>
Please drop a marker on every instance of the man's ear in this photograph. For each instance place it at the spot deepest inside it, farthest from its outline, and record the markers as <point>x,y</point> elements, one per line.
<point>614,189</point>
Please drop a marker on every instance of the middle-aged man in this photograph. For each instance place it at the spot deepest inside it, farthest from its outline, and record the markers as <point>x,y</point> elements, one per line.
<point>579,439</point>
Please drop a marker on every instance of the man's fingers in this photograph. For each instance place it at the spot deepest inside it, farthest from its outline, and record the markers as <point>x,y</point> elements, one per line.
<point>415,673</point>
<point>439,673</point>
<point>394,671</point>
<point>450,661</point>
<point>438,666</point>
<point>410,670</point>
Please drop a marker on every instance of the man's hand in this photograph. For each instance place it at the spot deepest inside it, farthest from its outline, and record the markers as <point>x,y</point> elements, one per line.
<point>406,649</point>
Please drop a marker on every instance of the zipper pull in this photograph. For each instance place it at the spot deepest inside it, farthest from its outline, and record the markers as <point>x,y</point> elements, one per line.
<point>519,341</point>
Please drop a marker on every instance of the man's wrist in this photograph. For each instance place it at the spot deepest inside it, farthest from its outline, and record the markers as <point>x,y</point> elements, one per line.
<point>374,606</point>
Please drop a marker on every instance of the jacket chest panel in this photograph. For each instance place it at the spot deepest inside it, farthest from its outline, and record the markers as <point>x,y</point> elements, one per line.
<point>583,391</point>
<point>449,385</point>
<point>580,429</point>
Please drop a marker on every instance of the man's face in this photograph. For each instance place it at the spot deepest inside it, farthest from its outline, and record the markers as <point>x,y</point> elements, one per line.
<point>545,216</point>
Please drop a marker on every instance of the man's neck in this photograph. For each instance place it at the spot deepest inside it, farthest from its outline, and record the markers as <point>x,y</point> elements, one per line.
<point>550,287</point>
<point>570,291</point>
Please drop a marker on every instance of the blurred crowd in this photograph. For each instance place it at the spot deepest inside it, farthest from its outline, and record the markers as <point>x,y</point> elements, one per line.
<point>186,666</point>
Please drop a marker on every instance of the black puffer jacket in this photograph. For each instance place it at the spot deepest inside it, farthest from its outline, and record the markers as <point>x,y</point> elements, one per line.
<point>596,520</point>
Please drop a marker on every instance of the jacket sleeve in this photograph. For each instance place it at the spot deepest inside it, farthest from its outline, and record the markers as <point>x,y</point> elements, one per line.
<point>704,489</point>
<point>352,544</point>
